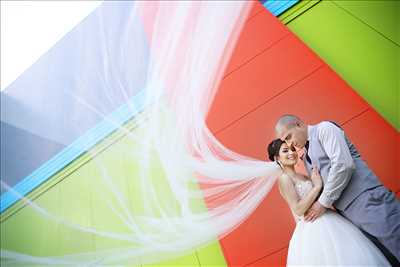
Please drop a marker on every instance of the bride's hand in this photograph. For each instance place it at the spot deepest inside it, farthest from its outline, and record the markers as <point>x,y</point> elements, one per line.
<point>316,177</point>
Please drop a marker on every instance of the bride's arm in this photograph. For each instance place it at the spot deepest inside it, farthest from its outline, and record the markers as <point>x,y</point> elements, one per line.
<point>288,192</point>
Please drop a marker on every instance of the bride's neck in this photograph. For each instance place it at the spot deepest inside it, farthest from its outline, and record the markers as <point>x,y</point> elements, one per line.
<point>289,170</point>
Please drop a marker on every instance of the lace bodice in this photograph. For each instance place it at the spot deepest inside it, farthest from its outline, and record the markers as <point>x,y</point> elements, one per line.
<point>302,188</point>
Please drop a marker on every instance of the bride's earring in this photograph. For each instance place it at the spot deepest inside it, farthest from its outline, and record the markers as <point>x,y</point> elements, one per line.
<point>279,163</point>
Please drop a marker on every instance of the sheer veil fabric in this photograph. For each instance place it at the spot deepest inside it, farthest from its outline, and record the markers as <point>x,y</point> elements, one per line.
<point>189,44</point>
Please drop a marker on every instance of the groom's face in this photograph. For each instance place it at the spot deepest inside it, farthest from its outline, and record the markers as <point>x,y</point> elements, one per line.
<point>295,136</point>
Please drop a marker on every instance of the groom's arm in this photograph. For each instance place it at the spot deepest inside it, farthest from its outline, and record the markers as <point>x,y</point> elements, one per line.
<point>342,165</point>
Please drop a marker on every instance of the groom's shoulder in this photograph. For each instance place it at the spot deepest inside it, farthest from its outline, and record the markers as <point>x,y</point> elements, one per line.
<point>325,128</point>
<point>324,125</point>
<point>327,125</point>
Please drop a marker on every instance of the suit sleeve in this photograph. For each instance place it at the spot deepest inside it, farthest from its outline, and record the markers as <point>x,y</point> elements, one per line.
<point>334,143</point>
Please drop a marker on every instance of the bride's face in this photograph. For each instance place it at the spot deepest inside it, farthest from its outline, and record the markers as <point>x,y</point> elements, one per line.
<point>287,155</point>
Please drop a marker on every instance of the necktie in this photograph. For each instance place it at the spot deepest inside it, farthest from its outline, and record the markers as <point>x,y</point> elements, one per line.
<point>307,156</point>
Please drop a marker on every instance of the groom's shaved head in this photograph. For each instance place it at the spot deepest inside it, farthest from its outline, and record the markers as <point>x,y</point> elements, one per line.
<point>292,130</point>
<point>286,122</point>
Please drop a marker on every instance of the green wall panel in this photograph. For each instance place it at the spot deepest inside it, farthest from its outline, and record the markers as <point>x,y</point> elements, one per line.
<point>380,15</point>
<point>211,255</point>
<point>357,44</point>
<point>74,196</point>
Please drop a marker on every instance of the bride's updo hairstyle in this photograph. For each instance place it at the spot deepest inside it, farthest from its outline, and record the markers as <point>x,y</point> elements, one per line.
<point>273,149</point>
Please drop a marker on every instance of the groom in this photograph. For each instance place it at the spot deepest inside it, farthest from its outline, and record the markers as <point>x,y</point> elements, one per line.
<point>349,185</point>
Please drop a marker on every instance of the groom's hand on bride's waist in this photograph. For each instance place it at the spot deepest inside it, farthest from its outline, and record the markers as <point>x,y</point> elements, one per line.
<point>315,211</point>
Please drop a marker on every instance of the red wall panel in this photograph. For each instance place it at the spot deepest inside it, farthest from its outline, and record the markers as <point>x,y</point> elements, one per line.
<point>255,8</point>
<point>257,35</point>
<point>261,79</point>
<point>378,142</point>
<point>276,259</point>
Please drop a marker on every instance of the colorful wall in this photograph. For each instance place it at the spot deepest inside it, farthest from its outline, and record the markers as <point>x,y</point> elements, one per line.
<point>273,72</point>
<point>360,40</point>
<point>72,194</point>
<point>319,71</point>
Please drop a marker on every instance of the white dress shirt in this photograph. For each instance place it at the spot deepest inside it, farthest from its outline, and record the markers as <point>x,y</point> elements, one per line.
<point>333,141</point>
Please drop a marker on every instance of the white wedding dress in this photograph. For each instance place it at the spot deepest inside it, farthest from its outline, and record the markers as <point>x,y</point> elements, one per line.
<point>331,240</point>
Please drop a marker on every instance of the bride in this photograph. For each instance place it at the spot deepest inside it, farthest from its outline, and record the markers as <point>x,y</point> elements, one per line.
<point>329,240</point>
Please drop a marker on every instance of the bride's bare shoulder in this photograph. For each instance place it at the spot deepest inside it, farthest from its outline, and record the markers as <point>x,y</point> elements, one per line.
<point>284,176</point>
<point>285,179</point>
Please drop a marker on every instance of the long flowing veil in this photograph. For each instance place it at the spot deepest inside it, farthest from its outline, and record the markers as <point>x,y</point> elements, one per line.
<point>189,189</point>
